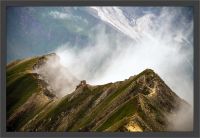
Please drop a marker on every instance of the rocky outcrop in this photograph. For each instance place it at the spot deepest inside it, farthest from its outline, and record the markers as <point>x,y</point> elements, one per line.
<point>82,84</point>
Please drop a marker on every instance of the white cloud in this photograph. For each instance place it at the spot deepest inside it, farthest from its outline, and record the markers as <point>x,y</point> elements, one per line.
<point>159,45</point>
<point>115,17</point>
<point>59,79</point>
<point>160,41</point>
<point>59,15</point>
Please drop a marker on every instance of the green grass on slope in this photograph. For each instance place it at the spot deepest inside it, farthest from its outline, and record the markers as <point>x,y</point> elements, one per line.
<point>128,109</point>
<point>37,116</point>
<point>104,104</point>
<point>32,112</point>
<point>96,92</point>
<point>20,84</point>
<point>64,106</point>
<point>19,91</point>
<point>19,68</point>
<point>83,111</point>
<point>11,64</point>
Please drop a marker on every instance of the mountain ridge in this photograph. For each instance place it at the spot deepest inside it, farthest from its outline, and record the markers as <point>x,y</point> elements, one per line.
<point>139,103</point>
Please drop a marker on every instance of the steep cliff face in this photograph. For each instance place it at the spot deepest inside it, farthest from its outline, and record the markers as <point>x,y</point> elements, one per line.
<point>140,103</point>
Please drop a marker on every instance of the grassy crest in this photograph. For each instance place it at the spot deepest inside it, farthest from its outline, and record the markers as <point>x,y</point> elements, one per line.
<point>20,84</point>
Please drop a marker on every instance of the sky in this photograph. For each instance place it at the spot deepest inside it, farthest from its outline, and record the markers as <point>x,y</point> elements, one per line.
<point>106,44</point>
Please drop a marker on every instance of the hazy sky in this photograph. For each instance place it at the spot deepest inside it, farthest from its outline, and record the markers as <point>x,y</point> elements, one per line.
<point>107,44</point>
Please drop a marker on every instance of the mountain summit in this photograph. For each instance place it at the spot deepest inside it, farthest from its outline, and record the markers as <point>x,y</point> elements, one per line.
<point>140,103</point>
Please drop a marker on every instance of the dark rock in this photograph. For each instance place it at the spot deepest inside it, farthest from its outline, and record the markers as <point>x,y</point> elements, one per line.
<point>82,84</point>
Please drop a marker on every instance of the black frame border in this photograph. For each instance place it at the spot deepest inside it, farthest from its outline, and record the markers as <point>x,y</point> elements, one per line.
<point>193,3</point>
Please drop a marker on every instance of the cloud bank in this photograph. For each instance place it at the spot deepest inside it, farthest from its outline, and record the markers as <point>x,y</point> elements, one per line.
<point>162,42</point>
<point>59,79</point>
<point>180,120</point>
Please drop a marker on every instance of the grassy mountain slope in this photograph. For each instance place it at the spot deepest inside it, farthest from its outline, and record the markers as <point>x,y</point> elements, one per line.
<point>24,91</point>
<point>139,103</point>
